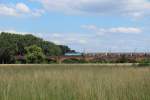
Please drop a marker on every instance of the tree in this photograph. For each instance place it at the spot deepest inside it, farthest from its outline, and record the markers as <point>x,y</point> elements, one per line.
<point>34,54</point>
<point>50,49</point>
<point>65,49</point>
<point>13,45</point>
<point>7,50</point>
<point>123,59</point>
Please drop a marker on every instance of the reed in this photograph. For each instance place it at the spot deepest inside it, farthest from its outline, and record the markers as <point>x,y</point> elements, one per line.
<point>74,82</point>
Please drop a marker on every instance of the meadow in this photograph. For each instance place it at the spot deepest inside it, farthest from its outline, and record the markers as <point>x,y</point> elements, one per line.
<point>74,82</point>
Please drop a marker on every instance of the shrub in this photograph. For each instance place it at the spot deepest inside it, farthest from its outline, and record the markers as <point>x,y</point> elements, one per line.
<point>34,54</point>
<point>73,61</point>
<point>144,62</point>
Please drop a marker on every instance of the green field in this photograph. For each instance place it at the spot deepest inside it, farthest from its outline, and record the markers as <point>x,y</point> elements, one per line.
<point>74,82</point>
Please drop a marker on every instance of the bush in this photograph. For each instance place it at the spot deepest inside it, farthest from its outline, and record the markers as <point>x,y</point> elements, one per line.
<point>144,62</point>
<point>34,54</point>
<point>70,61</point>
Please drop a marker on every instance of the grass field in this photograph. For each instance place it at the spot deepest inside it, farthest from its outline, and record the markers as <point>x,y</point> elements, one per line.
<point>74,82</point>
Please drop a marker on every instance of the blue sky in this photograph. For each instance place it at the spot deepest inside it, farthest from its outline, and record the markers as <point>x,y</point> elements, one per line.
<point>83,25</point>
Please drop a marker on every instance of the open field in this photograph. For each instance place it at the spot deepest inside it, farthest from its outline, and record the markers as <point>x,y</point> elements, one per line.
<point>74,82</point>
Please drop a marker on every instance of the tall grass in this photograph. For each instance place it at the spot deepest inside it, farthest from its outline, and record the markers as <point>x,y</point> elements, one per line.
<point>74,82</point>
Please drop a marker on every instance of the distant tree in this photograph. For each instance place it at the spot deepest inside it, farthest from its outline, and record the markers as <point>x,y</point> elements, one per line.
<point>64,49</point>
<point>7,50</point>
<point>50,49</point>
<point>12,45</point>
<point>6,55</point>
<point>123,59</point>
<point>34,54</point>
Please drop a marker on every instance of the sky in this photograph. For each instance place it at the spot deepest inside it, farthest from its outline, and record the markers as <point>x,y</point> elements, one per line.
<point>83,25</point>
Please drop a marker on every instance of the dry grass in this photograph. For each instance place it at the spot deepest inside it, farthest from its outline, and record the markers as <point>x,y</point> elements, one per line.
<point>74,82</point>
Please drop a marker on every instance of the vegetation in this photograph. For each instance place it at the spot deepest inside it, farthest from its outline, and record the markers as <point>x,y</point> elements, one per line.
<point>144,62</point>
<point>34,54</point>
<point>22,49</point>
<point>12,45</point>
<point>74,61</point>
<point>74,82</point>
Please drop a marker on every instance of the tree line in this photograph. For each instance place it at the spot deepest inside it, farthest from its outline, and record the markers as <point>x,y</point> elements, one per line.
<point>29,46</point>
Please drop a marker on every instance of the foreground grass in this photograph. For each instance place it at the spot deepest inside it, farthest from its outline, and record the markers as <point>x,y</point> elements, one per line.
<point>74,82</point>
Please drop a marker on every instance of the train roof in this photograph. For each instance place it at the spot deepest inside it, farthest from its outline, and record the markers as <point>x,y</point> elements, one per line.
<point>73,54</point>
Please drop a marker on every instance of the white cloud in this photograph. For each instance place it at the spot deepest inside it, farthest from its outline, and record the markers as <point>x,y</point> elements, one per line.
<point>56,35</point>
<point>73,41</point>
<point>125,30</point>
<point>38,12</point>
<point>22,8</point>
<point>102,31</point>
<point>19,9</point>
<point>82,41</point>
<point>135,8</point>
<point>6,10</point>
<point>68,39</point>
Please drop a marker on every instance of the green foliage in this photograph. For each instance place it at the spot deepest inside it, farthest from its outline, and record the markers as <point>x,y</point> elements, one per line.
<point>12,45</point>
<point>50,49</point>
<point>71,61</point>
<point>74,82</point>
<point>64,49</point>
<point>7,49</point>
<point>123,59</point>
<point>34,54</point>
<point>144,62</point>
